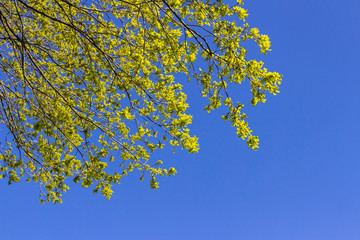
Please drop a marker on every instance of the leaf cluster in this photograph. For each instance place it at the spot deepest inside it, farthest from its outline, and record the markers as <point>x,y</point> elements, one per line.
<point>87,83</point>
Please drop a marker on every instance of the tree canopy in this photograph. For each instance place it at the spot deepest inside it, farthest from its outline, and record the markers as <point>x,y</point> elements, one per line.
<point>85,83</point>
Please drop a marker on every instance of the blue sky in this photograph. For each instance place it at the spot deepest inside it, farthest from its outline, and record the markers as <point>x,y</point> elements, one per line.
<point>303,182</point>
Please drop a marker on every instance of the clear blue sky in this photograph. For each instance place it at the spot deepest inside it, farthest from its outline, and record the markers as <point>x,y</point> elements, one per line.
<point>304,182</point>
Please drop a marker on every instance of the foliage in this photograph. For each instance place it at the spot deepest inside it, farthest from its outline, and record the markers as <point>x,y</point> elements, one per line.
<point>85,83</point>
